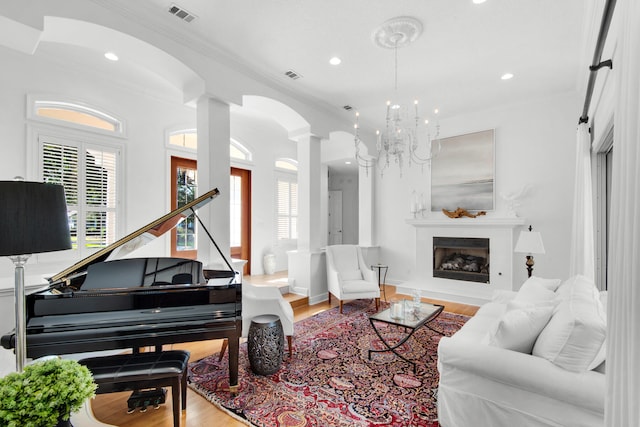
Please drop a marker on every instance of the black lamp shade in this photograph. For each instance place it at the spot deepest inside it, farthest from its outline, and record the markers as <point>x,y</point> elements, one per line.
<point>33,218</point>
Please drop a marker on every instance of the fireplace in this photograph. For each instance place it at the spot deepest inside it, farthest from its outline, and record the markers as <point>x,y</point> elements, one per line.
<point>461,258</point>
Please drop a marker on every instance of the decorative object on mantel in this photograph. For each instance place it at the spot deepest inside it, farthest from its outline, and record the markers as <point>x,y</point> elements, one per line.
<point>529,242</point>
<point>459,213</point>
<point>417,206</point>
<point>512,200</point>
<point>33,219</point>
<point>463,174</point>
<point>403,137</point>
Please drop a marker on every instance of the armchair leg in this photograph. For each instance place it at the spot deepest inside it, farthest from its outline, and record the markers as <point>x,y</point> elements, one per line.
<point>225,343</point>
<point>340,306</point>
<point>329,298</point>
<point>377,303</point>
<point>289,339</point>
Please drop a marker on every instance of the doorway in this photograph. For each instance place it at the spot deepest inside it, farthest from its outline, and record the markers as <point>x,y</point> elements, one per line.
<point>240,216</point>
<point>335,217</point>
<point>184,178</point>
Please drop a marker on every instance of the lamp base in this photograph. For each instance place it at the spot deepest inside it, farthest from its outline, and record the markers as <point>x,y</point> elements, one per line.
<point>529,264</point>
<point>21,338</point>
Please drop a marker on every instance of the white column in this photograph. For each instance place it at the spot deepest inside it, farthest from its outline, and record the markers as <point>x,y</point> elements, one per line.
<point>214,134</point>
<point>365,207</point>
<point>307,271</point>
<point>309,193</point>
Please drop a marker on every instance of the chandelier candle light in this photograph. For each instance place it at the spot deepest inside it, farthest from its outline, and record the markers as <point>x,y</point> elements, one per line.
<point>403,138</point>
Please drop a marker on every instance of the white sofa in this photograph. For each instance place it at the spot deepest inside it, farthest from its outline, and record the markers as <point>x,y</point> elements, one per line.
<point>510,367</point>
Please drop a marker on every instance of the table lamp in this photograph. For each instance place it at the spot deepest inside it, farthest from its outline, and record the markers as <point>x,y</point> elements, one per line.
<point>529,242</point>
<point>33,219</point>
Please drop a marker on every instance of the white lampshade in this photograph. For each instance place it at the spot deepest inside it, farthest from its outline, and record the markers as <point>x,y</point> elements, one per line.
<point>529,242</point>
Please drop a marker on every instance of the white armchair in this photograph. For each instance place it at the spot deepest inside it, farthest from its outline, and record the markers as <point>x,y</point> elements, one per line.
<point>348,276</point>
<point>264,299</point>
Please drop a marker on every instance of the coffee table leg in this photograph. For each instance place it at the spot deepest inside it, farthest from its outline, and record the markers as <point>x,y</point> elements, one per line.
<point>390,348</point>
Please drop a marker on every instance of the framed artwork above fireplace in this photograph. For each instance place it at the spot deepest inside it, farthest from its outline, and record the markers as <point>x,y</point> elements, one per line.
<point>463,174</point>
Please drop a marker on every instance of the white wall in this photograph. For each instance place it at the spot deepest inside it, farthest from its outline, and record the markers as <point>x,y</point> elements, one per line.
<point>535,144</point>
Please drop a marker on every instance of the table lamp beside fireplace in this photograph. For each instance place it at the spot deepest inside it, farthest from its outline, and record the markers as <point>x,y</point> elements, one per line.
<point>530,243</point>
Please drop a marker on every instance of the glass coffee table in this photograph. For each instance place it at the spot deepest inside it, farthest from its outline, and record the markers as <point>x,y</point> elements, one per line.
<point>411,322</point>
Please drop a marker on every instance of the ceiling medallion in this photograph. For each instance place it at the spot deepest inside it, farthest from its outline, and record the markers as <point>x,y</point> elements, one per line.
<point>397,32</point>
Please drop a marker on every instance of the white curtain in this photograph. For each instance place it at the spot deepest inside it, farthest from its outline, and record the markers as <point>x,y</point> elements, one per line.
<point>623,309</point>
<point>582,259</point>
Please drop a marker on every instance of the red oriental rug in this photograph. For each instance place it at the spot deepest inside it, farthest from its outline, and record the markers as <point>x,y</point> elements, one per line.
<point>330,381</point>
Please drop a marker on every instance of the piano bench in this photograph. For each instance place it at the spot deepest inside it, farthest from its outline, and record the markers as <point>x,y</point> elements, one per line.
<point>137,371</point>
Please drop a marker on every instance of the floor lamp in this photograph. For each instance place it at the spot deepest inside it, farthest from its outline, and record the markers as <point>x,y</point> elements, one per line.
<point>33,219</point>
<point>529,242</point>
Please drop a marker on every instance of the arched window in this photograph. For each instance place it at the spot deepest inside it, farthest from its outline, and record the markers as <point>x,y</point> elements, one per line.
<point>77,115</point>
<point>239,151</point>
<point>186,138</point>
<point>287,164</point>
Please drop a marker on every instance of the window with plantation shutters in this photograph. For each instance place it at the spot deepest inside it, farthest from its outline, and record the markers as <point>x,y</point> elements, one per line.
<point>287,208</point>
<point>89,174</point>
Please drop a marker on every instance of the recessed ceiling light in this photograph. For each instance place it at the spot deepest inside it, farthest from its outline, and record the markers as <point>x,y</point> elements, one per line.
<point>478,1</point>
<point>507,76</point>
<point>335,61</point>
<point>347,163</point>
<point>111,56</point>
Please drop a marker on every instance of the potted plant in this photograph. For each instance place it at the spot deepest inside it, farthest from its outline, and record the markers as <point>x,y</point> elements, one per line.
<point>45,393</point>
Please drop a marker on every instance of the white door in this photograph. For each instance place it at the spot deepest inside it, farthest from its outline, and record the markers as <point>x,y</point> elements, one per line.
<point>335,217</point>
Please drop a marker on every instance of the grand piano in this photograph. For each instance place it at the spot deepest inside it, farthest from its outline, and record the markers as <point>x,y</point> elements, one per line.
<point>111,301</point>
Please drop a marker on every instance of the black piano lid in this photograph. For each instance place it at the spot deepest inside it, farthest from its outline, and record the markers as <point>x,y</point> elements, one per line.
<point>139,238</point>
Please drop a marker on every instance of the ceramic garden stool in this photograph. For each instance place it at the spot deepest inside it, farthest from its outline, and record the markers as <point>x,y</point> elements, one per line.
<point>265,344</point>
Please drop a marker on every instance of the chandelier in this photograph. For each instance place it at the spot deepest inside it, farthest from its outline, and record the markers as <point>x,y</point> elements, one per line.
<point>406,138</point>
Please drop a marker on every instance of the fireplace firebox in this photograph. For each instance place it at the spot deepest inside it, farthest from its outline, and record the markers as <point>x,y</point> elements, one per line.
<point>461,258</point>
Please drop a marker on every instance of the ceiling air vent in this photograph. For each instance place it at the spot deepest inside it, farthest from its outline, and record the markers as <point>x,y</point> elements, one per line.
<point>181,13</point>
<point>347,107</point>
<point>292,75</point>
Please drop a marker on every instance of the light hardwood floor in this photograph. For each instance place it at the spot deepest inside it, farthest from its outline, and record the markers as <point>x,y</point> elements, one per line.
<point>112,408</point>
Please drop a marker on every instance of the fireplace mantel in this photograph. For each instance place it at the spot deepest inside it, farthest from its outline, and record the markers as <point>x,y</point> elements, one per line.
<point>482,221</point>
<point>500,232</point>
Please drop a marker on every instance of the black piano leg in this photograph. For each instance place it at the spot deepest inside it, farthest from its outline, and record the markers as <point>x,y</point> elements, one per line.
<point>234,348</point>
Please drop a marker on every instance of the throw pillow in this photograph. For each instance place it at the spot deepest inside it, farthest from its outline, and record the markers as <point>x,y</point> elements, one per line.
<point>533,292</point>
<point>551,284</point>
<point>574,336</point>
<point>578,287</point>
<point>502,296</point>
<point>518,329</point>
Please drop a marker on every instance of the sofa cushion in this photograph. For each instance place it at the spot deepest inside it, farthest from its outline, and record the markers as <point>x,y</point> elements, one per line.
<point>518,329</point>
<point>574,337</point>
<point>532,292</point>
<point>551,284</point>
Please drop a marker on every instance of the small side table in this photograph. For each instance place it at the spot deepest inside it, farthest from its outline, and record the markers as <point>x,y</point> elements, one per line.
<point>382,277</point>
<point>265,344</point>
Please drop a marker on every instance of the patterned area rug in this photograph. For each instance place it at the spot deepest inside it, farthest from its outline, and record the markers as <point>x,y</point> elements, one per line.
<point>330,381</point>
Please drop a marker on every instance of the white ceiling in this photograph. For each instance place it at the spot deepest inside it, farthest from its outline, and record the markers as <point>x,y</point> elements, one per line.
<point>455,65</point>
